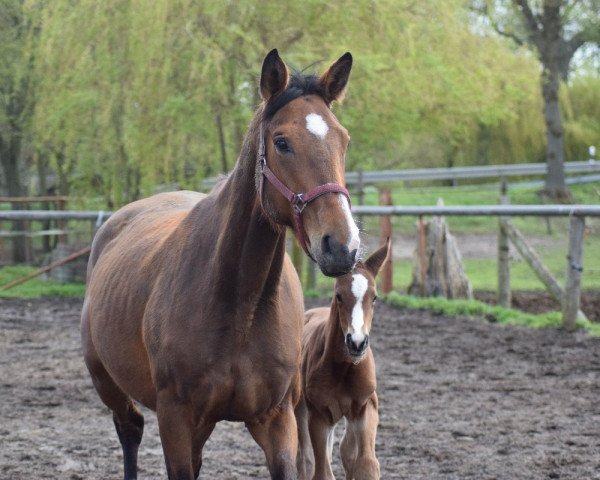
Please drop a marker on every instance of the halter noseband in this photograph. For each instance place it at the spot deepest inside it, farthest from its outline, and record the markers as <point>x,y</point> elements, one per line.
<point>298,201</point>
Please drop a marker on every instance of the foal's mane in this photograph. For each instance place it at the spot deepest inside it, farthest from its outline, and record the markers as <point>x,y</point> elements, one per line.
<point>298,86</point>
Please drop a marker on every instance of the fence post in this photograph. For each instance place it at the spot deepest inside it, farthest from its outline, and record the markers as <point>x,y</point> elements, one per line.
<point>422,254</point>
<point>361,197</point>
<point>504,293</point>
<point>385,231</point>
<point>574,269</point>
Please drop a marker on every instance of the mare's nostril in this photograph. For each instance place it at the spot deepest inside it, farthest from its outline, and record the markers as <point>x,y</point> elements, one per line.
<point>326,244</point>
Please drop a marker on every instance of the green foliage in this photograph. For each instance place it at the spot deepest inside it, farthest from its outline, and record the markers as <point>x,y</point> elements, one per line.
<point>36,287</point>
<point>479,310</point>
<point>129,96</point>
<point>581,103</point>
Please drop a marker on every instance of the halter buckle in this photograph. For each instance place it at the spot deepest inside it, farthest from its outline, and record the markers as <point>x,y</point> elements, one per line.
<point>299,203</point>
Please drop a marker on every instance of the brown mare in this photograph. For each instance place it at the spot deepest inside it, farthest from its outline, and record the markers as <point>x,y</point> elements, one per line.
<point>338,378</point>
<point>193,308</point>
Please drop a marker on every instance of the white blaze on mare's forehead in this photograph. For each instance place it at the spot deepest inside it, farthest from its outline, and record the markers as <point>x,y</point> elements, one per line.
<point>354,240</point>
<point>359,288</point>
<point>316,125</point>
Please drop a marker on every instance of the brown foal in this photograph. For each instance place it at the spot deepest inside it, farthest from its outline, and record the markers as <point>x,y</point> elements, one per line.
<point>338,378</point>
<point>193,308</point>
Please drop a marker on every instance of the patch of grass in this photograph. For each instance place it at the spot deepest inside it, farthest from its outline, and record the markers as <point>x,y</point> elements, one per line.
<point>478,310</point>
<point>36,287</point>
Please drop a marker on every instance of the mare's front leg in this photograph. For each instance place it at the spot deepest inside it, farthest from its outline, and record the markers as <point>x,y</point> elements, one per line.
<point>320,432</point>
<point>358,445</point>
<point>175,425</point>
<point>201,434</point>
<point>277,435</point>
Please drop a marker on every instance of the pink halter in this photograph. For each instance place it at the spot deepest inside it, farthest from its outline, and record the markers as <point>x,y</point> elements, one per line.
<point>298,201</point>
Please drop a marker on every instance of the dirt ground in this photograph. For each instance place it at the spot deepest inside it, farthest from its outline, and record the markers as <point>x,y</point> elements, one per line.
<point>460,399</point>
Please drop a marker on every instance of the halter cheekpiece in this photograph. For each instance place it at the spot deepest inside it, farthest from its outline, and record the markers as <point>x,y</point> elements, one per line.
<point>298,201</point>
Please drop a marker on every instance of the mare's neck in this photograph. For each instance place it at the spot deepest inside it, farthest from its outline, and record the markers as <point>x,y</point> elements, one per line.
<point>249,248</point>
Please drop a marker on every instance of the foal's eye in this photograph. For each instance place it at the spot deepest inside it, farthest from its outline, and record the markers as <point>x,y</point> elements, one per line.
<point>281,144</point>
<point>338,297</point>
<point>374,298</point>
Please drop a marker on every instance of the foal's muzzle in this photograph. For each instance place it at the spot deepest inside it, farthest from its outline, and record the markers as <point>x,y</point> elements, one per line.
<point>354,349</point>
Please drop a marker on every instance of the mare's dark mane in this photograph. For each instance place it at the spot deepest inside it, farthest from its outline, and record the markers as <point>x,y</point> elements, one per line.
<point>298,86</point>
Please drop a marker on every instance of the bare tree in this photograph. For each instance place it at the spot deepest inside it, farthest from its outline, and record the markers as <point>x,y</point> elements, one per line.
<point>555,29</point>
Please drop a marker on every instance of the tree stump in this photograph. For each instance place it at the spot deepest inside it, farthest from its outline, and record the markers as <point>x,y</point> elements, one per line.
<point>437,263</point>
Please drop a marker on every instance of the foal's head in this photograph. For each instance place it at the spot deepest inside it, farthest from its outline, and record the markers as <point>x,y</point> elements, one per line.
<point>303,147</point>
<point>355,294</point>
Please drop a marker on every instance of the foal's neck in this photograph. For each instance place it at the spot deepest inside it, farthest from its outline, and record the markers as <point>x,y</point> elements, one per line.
<point>335,347</point>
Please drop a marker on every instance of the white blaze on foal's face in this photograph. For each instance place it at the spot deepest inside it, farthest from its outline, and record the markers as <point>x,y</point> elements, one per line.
<point>357,327</point>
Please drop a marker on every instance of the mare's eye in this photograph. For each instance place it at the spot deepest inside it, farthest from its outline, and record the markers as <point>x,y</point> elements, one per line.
<point>281,145</point>
<point>338,297</point>
<point>374,298</point>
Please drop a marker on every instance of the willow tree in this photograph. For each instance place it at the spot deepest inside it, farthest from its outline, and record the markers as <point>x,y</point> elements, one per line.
<point>556,30</point>
<point>131,94</point>
<point>15,105</point>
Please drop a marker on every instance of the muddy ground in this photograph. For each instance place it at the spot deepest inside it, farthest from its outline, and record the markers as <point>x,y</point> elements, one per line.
<point>460,399</point>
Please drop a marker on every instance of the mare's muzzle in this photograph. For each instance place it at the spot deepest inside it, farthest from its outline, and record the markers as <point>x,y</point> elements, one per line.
<point>334,258</point>
<point>354,349</point>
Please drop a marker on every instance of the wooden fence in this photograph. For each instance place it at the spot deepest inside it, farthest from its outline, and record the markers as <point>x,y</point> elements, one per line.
<point>569,297</point>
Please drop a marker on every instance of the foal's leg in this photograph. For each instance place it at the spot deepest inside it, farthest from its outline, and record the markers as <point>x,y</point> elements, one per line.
<point>128,420</point>
<point>358,447</point>
<point>277,435</point>
<point>348,450</point>
<point>306,458</point>
<point>175,425</point>
<point>320,429</point>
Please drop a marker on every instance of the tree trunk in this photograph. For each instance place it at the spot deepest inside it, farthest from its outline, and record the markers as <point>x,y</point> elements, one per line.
<point>9,158</point>
<point>221,132</point>
<point>555,185</point>
<point>437,264</point>
<point>550,53</point>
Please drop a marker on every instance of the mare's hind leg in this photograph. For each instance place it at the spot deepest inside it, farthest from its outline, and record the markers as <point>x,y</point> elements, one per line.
<point>128,420</point>
<point>277,435</point>
<point>358,446</point>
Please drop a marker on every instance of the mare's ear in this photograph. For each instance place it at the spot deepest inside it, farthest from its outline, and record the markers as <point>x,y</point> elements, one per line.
<point>335,79</point>
<point>377,259</point>
<point>274,76</point>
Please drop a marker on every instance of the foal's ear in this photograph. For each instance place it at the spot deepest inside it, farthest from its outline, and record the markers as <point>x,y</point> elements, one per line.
<point>335,79</point>
<point>274,76</point>
<point>377,259</point>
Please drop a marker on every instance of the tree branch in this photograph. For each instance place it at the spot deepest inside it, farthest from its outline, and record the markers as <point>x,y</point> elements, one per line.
<point>531,22</point>
<point>484,10</point>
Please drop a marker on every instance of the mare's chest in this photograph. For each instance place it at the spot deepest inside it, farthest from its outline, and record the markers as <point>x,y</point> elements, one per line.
<point>234,365</point>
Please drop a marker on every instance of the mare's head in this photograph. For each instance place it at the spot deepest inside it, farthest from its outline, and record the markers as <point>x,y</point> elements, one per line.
<point>355,294</point>
<point>301,161</point>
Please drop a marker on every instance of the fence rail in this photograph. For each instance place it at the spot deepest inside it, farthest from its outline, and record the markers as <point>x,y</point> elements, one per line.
<point>464,210</point>
<point>454,173</point>
<point>491,210</point>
